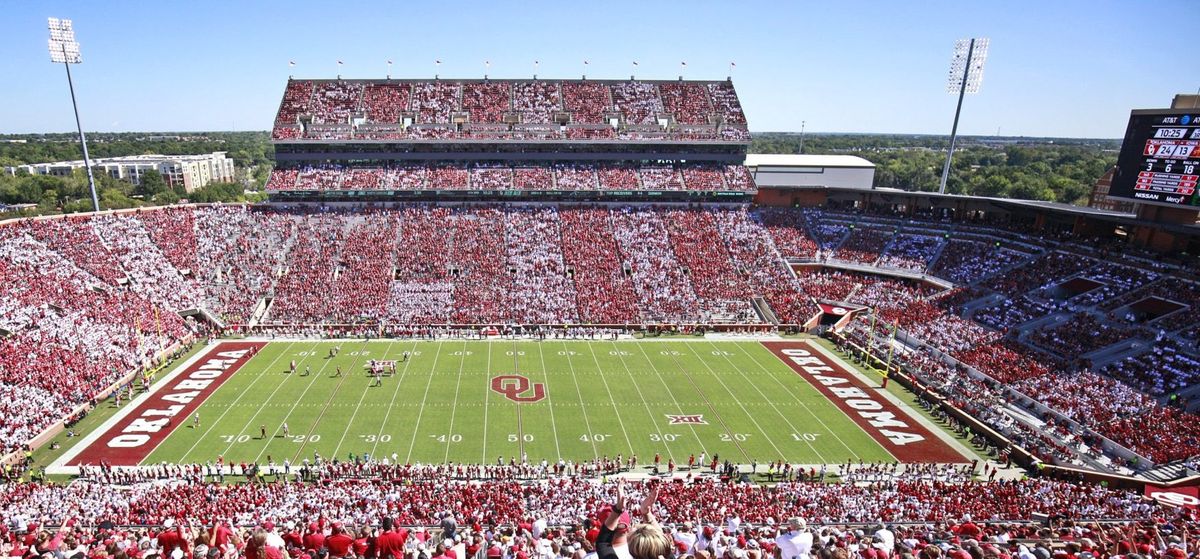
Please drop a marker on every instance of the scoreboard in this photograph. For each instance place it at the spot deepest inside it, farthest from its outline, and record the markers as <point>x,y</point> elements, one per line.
<point>1160,158</point>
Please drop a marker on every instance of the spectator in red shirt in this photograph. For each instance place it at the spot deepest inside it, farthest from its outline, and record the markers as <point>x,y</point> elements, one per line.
<point>339,543</point>
<point>390,542</point>
<point>313,539</point>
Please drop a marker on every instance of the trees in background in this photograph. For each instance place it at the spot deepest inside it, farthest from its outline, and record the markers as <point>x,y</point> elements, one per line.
<point>252,153</point>
<point>1059,170</point>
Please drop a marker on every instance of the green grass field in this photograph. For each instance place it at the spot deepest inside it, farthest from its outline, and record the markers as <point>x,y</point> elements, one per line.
<point>601,398</point>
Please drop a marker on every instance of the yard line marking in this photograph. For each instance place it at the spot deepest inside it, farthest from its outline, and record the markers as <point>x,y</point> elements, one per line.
<point>646,405</point>
<point>770,401</point>
<point>454,407</point>
<point>388,413</point>
<point>520,424</point>
<point>271,398</point>
<point>549,402</point>
<point>359,406</point>
<point>586,422</point>
<point>487,393</point>
<point>362,353</point>
<point>604,380</point>
<point>421,410</point>
<point>721,420</point>
<point>806,407</point>
<point>236,400</point>
<point>678,406</point>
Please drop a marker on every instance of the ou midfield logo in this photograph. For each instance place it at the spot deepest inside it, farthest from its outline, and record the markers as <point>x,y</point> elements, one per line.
<point>514,388</point>
<point>1175,499</point>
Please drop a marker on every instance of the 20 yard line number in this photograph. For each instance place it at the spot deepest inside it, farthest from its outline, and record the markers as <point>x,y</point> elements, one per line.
<point>231,439</point>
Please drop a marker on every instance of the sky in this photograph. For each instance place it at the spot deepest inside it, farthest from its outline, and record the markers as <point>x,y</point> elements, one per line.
<point>1063,68</point>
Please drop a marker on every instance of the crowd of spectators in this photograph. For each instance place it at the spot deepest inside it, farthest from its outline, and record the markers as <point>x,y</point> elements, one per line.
<point>1005,361</point>
<point>76,240</point>
<point>687,101</point>
<point>323,110</point>
<point>334,101</point>
<point>542,292</point>
<point>143,262</point>
<point>692,177</point>
<point>434,102</point>
<point>1175,289</point>
<point>863,246</point>
<point>1046,271</point>
<point>1083,333</point>
<point>965,261</point>
<point>700,249</point>
<point>1007,313</point>
<point>243,251</point>
<point>1086,397</point>
<point>1165,369</point>
<point>605,291</point>
<point>537,102</point>
<point>1114,279</point>
<point>69,335</point>
<point>638,102</point>
<point>664,291</point>
<point>105,312</point>
<point>486,101</point>
<point>753,252</point>
<point>911,252</point>
<point>561,518</point>
<point>385,102</point>
<point>296,99</point>
<point>789,231</point>
<point>725,103</point>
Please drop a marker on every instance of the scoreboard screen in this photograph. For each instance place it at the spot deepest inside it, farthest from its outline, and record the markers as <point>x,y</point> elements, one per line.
<point>1160,158</point>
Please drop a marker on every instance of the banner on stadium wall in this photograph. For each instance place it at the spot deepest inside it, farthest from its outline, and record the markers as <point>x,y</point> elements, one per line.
<point>1188,497</point>
<point>834,309</point>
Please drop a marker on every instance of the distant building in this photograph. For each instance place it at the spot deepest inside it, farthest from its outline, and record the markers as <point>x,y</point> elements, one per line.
<point>792,171</point>
<point>191,171</point>
<point>1100,200</point>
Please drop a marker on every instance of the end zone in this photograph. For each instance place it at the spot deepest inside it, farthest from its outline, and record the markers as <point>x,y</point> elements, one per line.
<point>129,437</point>
<point>892,426</point>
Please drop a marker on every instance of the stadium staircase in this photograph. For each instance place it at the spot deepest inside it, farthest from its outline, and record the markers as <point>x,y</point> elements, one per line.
<point>1050,320</point>
<point>764,310</point>
<point>1192,393</point>
<point>971,307</point>
<point>1116,352</point>
<point>260,311</point>
<point>936,256</point>
<point>1169,472</point>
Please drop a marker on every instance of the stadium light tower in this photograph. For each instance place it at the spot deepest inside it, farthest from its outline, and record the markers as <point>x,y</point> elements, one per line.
<point>64,49</point>
<point>966,75</point>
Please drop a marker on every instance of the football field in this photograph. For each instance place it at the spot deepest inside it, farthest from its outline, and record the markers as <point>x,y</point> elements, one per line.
<point>480,401</point>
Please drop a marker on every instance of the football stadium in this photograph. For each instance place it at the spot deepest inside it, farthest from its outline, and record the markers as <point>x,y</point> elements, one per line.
<point>573,317</point>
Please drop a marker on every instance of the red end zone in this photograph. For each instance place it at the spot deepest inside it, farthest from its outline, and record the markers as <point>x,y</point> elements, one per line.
<point>890,426</point>
<point>132,438</point>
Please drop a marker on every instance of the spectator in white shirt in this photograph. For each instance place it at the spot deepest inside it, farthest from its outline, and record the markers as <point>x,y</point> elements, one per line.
<point>797,542</point>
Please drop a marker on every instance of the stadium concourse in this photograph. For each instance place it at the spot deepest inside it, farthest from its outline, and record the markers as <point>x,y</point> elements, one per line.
<point>445,209</point>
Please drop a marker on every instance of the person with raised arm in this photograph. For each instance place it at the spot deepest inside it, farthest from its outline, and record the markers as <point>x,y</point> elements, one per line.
<point>618,540</point>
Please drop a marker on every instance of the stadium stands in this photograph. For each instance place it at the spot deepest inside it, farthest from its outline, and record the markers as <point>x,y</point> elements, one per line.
<point>425,264</point>
<point>507,517</point>
<point>644,111</point>
<point>87,302</point>
<point>694,177</point>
